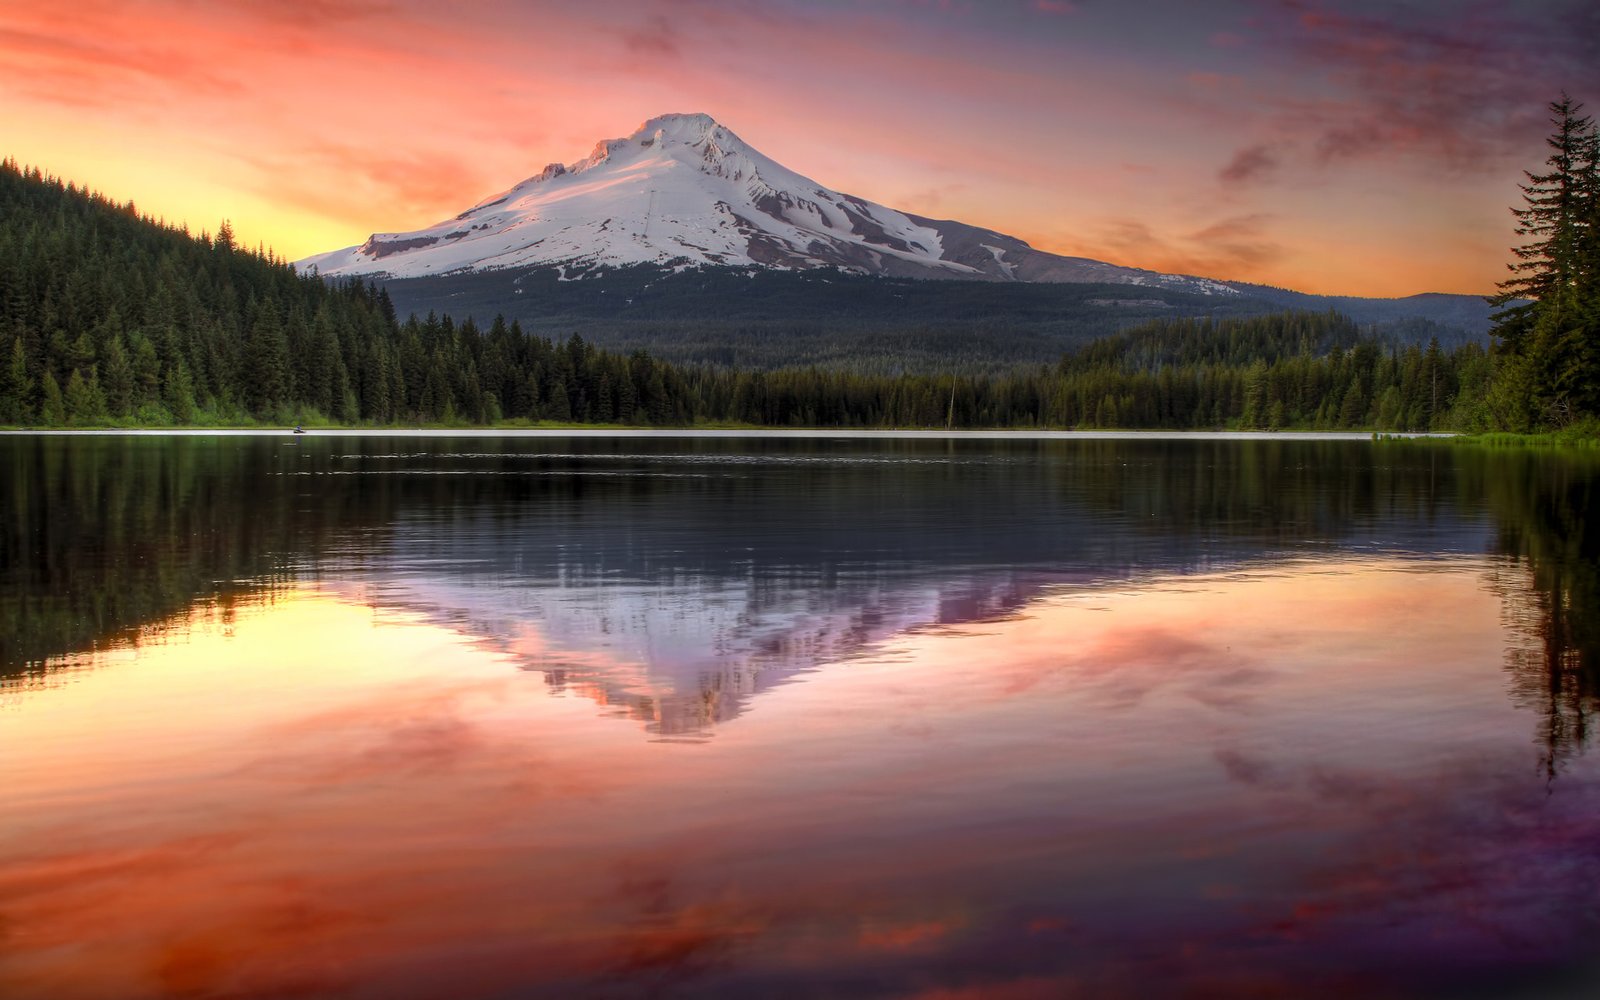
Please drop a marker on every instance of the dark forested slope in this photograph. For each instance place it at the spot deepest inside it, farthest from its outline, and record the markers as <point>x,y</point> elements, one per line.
<point>752,318</point>
<point>108,317</point>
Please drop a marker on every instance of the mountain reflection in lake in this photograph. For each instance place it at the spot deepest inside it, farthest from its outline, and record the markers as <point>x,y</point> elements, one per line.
<point>546,717</point>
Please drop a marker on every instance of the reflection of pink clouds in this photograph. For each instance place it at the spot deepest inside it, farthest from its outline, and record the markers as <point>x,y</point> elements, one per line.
<point>1125,665</point>
<point>1471,886</point>
<point>45,877</point>
<point>445,827</point>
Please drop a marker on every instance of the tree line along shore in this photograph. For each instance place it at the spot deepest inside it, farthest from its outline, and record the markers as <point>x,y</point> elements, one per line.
<point>110,318</point>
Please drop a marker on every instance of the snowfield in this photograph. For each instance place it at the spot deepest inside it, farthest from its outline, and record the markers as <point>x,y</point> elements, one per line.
<point>684,191</point>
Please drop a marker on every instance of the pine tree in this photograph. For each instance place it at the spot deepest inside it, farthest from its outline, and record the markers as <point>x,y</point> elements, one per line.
<point>16,388</point>
<point>266,363</point>
<point>146,366</point>
<point>1353,408</point>
<point>1549,326</point>
<point>119,379</point>
<point>84,400</point>
<point>323,364</point>
<point>1255,395</point>
<point>52,408</point>
<point>179,393</point>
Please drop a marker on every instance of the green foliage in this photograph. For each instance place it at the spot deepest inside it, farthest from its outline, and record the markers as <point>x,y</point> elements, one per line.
<point>86,403</point>
<point>1548,334</point>
<point>52,408</point>
<point>265,372</point>
<point>750,318</point>
<point>178,394</point>
<point>16,387</point>
<point>143,322</point>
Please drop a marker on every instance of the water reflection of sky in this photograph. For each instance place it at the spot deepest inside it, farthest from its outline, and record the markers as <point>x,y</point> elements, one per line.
<point>679,583</point>
<point>1297,777</point>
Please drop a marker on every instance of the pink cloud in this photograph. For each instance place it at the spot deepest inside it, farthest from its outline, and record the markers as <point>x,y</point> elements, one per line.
<point>1462,93</point>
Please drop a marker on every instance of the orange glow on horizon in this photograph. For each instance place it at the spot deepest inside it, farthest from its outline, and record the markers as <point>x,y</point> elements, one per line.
<point>311,127</point>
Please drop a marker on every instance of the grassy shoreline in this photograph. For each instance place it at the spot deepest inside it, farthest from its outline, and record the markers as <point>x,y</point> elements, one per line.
<point>709,426</point>
<point>1585,435</point>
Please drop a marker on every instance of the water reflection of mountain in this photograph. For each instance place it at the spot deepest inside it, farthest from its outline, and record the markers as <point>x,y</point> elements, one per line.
<point>677,578</point>
<point>682,657</point>
<point>676,586</point>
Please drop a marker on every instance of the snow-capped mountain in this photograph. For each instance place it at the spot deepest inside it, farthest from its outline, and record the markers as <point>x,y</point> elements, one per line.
<point>683,191</point>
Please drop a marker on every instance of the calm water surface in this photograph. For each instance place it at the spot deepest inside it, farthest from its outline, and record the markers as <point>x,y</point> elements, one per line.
<point>545,717</point>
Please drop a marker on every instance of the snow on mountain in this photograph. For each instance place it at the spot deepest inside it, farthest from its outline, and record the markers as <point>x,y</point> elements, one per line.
<point>683,191</point>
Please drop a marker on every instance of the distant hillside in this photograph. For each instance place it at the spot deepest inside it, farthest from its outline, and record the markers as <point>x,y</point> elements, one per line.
<point>773,319</point>
<point>1465,314</point>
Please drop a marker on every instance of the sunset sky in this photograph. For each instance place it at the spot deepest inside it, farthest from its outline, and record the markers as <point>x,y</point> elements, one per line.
<point>1337,147</point>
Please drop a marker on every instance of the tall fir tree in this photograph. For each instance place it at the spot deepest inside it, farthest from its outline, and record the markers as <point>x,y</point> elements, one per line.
<point>266,363</point>
<point>1548,331</point>
<point>16,387</point>
<point>178,393</point>
<point>118,382</point>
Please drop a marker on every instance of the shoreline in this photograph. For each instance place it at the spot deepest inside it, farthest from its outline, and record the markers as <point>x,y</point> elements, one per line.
<point>806,433</point>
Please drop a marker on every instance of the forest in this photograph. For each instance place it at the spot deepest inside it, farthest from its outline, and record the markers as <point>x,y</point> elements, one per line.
<point>111,318</point>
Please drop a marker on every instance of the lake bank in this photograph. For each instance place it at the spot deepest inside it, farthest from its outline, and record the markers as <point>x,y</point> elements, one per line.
<point>727,432</point>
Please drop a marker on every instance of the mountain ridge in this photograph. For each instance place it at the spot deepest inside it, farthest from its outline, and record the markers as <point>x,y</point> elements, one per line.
<point>684,191</point>
<point>683,222</point>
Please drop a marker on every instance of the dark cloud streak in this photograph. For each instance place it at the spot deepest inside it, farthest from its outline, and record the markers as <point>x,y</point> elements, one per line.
<point>1461,88</point>
<point>657,37</point>
<point>1249,164</point>
<point>1228,246</point>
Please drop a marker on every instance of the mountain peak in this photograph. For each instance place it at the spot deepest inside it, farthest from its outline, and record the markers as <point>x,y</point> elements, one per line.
<point>712,140</point>
<point>684,191</point>
<point>690,126</point>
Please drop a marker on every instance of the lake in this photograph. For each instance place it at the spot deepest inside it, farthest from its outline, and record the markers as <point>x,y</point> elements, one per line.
<point>549,716</point>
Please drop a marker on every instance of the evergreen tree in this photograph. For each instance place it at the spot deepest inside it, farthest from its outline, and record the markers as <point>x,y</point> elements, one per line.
<point>84,401</point>
<point>119,379</point>
<point>178,393</point>
<point>16,388</point>
<point>1255,394</point>
<point>324,365</point>
<point>52,408</point>
<point>1353,407</point>
<point>266,367</point>
<point>1548,329</point>
<point>81,354</point>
